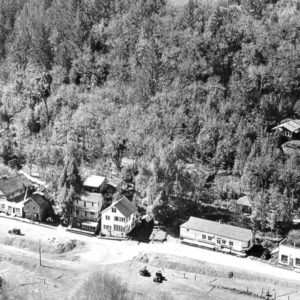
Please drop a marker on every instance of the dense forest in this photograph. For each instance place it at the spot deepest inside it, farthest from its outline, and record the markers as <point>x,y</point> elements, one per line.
<point>189,94</point>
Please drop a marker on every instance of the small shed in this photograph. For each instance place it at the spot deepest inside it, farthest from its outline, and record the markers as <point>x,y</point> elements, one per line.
<point>244,205</point>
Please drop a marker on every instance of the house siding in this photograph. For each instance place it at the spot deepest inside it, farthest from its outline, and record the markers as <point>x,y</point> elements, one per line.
<point>112,227</point>
<point>86,210</point>
<point>33,211</point>
<point>195,235</point>
<point>289,256</point>
<point>12,208</point>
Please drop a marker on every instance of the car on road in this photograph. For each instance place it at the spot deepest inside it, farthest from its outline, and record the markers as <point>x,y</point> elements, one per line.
<point>16,231</point>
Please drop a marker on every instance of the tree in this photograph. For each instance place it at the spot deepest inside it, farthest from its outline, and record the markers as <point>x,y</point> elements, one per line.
<point>70,184</point>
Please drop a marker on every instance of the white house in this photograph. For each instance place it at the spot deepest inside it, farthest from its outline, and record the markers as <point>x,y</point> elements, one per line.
<point>289,254</point>
<point>119,218</point>
<point>13,193</point>
<point>217,236</point>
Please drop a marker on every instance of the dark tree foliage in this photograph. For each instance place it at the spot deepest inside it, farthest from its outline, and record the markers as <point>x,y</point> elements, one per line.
<point>186,95</point>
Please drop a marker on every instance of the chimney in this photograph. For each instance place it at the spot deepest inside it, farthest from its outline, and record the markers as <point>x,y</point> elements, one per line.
<point>25,196</point>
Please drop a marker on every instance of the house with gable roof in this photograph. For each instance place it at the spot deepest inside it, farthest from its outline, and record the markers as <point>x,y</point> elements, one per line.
<point>289,129</point>
<point>119,218</point>
<point>13,193</point>
<point>36,207</point>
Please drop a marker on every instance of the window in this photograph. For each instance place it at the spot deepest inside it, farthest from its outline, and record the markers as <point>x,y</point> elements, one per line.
<point>223,242</point>
<point>92,213</point>
<point>107,217</point>
<point>10,208</point>
<point>119,219</point>
<point>33,207</point>
<point>230,244</point>
<point>119,228</point>
<point>108,227</point>
<point>284,258</point>
<point>218,240</point>
<point>18,210</point>
<point>297,261</point>
<point>3,206</point>
<point>203,237</point>
<point>92,203</point>
<point>84,204</point>
<point>187,229</point>
<point>210,238</point>
<point>113,209</point>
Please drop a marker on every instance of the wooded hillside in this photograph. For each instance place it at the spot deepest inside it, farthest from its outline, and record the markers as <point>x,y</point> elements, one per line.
<point>189,93</point>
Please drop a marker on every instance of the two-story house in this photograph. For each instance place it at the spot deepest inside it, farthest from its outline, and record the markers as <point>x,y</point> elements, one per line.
<point>13,192</point>
<point>119,218</point>
<point>36,207</point>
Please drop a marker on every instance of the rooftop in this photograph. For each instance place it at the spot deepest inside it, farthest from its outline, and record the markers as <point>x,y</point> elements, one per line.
<point>289,242</point>
<point>124,206</point>
<point>218,229</point>
<point>38,199</point>
<point>292,125</point>
<point>246,201</point>
<point>14,184</point>
<point>94,181</point>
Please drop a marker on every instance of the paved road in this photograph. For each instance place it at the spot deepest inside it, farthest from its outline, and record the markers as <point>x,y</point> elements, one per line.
<point>101,251</point>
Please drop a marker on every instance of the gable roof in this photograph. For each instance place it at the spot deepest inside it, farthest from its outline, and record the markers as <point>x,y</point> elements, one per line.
<point>246,201</point>
<point>94,181</point>
<point>218,229</point>
<point>14,184</point>
<point>124,206</point>
<point>292,126</point>
<point>38,199</point>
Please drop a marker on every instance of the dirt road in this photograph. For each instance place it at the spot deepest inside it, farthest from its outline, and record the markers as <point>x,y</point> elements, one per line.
<point>103,252</point>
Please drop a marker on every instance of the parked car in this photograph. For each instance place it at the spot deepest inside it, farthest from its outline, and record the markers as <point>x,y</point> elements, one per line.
<point>145,272</point>
<point>159,278</point>
<point>16,231</point>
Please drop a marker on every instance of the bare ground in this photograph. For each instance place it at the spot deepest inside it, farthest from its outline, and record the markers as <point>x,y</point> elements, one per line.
<point>65,268</point>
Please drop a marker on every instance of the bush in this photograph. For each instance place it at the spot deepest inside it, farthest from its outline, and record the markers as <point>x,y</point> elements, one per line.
<point>103,286</point>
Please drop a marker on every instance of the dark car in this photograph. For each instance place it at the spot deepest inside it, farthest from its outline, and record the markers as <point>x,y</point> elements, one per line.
<point>16,231</point>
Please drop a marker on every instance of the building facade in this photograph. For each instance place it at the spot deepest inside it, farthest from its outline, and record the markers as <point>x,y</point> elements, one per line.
<point>217,236</point>
<point>289,254</point>
<point>88,206</point>
<point>119,218</point>
<point>36,207</point>
<point>13,193</point>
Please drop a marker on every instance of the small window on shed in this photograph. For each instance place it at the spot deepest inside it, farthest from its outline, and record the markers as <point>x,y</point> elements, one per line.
<point>203,237</point>
<point>230,243</point>
<point>113,210</point>
<point>297,261</point>
<point>284,258</point>
<point>223,242</point>
<point>218,240</point>
<point>210,238</point>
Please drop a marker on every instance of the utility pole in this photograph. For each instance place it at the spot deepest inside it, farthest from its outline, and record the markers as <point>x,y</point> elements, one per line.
<point>40,252</point>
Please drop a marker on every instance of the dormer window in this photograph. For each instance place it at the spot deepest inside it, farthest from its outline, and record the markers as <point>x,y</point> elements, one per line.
<point>113,210</point>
